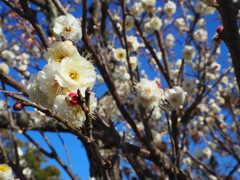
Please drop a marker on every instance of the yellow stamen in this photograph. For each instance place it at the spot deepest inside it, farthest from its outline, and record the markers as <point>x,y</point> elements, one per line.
<point>68,29</point>
<point>73,75</point>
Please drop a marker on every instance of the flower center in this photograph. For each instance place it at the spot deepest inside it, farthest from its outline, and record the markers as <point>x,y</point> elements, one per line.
<point>73,75</point>
<point>120,56</point>
<point>60,58</point>
<point>147,91</point>
<point>68,29</point>
<point>174,99</point>
<point>4,168</point>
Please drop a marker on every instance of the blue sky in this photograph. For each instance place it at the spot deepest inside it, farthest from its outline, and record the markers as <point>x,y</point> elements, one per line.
<point>78,156</point>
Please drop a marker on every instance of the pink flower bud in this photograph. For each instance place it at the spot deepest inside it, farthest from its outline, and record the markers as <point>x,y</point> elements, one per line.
<point>219,29</point>
<point>72,99</point>
<point>19,106</point>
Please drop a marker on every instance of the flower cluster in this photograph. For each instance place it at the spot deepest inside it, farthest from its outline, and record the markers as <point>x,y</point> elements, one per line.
<point>175,97</point>
<point>149,93</point>
<point>12,56</point>
<point>66,73</point>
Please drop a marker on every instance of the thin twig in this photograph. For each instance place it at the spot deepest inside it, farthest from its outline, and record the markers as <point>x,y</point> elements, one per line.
<point>201,164</point>
<point>66,150</point>
<point>59,6</point>
<point>32,19</point>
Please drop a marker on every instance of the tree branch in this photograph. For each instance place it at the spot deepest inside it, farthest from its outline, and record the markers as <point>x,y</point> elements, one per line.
<point>229,11</point>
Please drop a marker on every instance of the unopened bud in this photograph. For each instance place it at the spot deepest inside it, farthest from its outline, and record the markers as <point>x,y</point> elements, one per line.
<point>72,99</point>
<point>219,29</point>
<point>19,106</point>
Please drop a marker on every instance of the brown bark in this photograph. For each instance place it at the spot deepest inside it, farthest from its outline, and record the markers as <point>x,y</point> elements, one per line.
<point>229,15</point>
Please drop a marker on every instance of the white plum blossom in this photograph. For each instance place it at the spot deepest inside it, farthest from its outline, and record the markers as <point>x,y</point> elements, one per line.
<point>178,63</point>
<point>48,83</point>
<point>27,172</point>
<point>170,8</point>
<point>188,53</point>
<point>119,26</point>
<point>69,27</point>
<point>225,80</point>
<point>149,93</point>
<point>175,97</point>
<point>210,10</point>
<point>2,105</point>
<point>20,152</point>
<point>133,60</point>
<point>157,139</point>
<point>4,68</point>
<point>23,58</point>
<point>215,67</point>
<point>212,177</point>
<point>23,67</point>
<point>220,100</point>
<point>207,152</point>
<point>129,22</point>
<point>156,22</point>
<point>188,85</point>
<point>100,79</point>
<point>91,178</point>
<point>148,28</point>
<point>15,48</point>
<point>73,113</point>
<point>136,9</point>
<point>133,43</point>
<point>215,108</point>
<point>170,40</point>
<point>59,78</point>
<point>59,50</point>
<point>2,45</point>
<point>156,114</point>
<point>201,23</point>
<point>148,5</point>
<point>187,161</point>
<point>5,172</point>
<point>200,7</point>
<point>38,116</point>
<point>210,76</point>
<point>121,74</point>
<point>35,94</point>
<point>76,73</point>
<point>200,35</point>
<point>159,55</point>
<point>181,25</point>
<point>175,72</point>
<point>119,54</point>
<point>190,17</point>
<point>9,57</point>
<point>2,40</point>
